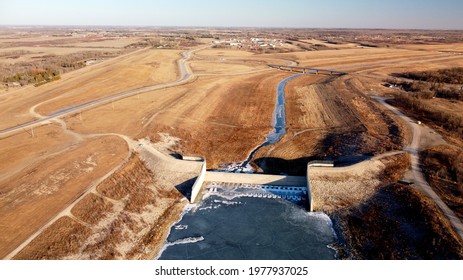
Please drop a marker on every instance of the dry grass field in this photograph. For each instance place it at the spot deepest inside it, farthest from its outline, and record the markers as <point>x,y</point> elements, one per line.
<point>121,219</point>
<point>138,69</point>
<point>222,118</point>
<point>329,117</point>
<point>48,140</point>
<point>225,68</point>
<point>92,185</point>
<point>40,191</point>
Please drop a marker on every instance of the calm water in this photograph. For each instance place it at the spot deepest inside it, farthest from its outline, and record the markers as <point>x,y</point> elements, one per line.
<point>250,222</point>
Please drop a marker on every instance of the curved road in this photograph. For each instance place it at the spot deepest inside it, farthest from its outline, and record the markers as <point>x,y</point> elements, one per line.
<point>185,75</point>
<point>419,178</point>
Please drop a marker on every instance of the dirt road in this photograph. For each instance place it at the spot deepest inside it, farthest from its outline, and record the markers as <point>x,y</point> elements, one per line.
<point>419,178</point>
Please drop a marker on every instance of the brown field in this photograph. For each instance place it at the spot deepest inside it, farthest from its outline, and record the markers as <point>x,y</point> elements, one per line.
<point>121,220</point>
<point>48,140</point>
<point>223,68</point>
<point>331,46</point>
<point>230,118</point>
<point>457,47</point>
<point>326,117</point>
<point>350,57</point>
<point>223,53</point>
<point>57,241</point>
<point>142,68</point>
<point>88,194</point>
<point>33,53</point>
<point>35,195</point>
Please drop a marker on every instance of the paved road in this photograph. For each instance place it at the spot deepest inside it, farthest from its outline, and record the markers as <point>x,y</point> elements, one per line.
<point>419,178</point>
<point>185,75</point>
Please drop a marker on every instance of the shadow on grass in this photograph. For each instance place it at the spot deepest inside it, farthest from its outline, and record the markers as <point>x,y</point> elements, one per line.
<point>396,223</point>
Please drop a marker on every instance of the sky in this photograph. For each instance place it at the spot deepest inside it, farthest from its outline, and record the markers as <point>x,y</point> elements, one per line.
<point>403,14</point>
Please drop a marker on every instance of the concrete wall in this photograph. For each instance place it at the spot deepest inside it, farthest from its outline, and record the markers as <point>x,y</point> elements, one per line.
<point>193,158</point>
<point>196,189</point>
<point>256,179</point>
<point>309,197</point>
<point>309,192</point>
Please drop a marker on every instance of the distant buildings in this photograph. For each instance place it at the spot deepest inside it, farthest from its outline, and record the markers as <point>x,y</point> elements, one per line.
<point>252,43</point>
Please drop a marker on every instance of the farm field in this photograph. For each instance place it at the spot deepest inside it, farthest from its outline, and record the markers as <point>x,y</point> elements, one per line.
<point>107,180</point>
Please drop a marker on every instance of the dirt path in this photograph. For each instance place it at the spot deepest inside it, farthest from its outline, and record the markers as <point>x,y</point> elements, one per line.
<point>66,211</point>
<point>145,148</point>
<point>161,161</point>
<point>419,178</point>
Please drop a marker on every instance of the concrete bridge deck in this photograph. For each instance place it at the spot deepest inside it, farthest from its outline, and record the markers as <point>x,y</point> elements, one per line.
<point>307,69</point>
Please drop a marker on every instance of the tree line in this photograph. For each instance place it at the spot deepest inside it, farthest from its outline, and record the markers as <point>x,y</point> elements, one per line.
<point>444,83</point>
<point>448,76</point>
<point>48,68</point>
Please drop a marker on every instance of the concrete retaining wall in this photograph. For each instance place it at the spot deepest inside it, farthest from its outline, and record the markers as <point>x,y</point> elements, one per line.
<point>309,195</point>
<point>196,189</point>
<point>309,192</point>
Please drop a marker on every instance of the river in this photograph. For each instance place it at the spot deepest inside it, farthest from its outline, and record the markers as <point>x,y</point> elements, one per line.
<point>279,129</point>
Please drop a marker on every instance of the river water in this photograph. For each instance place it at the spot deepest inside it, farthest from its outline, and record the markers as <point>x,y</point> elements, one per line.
<point>279,129</point>
<point>250,222</point>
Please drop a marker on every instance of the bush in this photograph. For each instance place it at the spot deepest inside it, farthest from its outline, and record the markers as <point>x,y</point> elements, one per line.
<point>447,120</point>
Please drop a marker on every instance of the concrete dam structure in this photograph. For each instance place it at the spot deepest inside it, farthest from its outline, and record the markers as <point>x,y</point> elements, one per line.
<point>293,188</point>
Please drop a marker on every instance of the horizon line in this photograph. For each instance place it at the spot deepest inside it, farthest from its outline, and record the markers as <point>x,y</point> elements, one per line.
<point>224,27</point>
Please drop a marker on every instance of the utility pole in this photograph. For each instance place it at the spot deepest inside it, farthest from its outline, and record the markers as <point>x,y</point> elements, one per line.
<point>32,132</point>
<point>80,116</point>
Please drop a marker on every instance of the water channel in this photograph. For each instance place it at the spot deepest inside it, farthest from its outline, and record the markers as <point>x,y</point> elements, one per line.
<point>279,129</point>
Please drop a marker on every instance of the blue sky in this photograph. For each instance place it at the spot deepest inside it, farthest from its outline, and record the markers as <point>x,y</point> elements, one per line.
<point>425,14</point>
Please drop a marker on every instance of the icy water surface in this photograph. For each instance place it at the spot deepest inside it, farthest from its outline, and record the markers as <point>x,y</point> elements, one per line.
<point>250,222</point>
<point>279,129</point>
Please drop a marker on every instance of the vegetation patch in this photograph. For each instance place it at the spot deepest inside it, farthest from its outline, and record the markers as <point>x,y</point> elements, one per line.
<point>443,83</point>
<point>399,222</point>
<point>450,121</point>
<point>62,238</point>
<point>92,208</point>
<point>448,76</point>
<point>35,76</point>
<point>443,166</point>
<point>131,179</point>
<point>414,96</point>
<point>44,69</point>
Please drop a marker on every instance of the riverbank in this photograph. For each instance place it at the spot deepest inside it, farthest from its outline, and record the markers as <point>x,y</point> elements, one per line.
<point>376,218</point>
